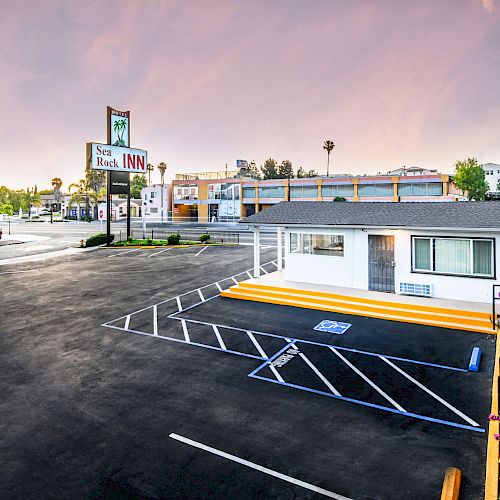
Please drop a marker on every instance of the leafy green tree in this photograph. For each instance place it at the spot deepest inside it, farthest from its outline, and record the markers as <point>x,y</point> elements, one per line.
<point>253,171</point>
<point>270,169</point>
<point>328,146</point>
<point>136,184</point>
<point>311,174</point>
<point>4,194</point>
<point>6,208</point>
<point>470,178</point>
<point>301,173</point>
<point>285,170</point>
<point>46,191</point>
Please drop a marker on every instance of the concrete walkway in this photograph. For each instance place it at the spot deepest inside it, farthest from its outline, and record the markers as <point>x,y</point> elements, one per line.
<point>277,278</point>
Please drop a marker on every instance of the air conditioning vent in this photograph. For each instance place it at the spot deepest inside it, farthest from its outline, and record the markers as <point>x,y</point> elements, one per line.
<point>415,289</point>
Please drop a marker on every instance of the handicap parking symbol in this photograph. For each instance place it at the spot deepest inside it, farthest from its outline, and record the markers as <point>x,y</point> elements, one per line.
<point>330,326</point>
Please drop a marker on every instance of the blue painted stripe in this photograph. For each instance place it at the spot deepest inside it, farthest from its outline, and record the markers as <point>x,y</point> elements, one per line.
<point>475,359</point>
<point>358,351</point>
<point>372,405</point>
<point>272,358</point>
<point>188,343</point>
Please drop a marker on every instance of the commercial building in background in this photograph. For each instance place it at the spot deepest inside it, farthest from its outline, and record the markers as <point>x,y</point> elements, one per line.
<point>492,173</point>
<point>258,195</point>
<point>230,195</point>
<point>207,197</point>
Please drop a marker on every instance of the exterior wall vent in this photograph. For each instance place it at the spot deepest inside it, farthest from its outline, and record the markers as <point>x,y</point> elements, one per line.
<point>406,288</point>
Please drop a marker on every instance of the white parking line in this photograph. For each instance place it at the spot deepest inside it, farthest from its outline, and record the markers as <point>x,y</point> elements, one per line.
<point>258,467</point>
<point>318,373</point>
<point>122,253</point>
<point>257,345</point>
<point>155,320</point>
<point>218,286</point>
<point>249,275</point>
<point>428,391</point>
<point>234,279</point>
<point>263,270</point>
<point>161,251</point>
<point>366,379</point>
<point>185,330</point>
<point>204,248</point>
<point>219,338</point>
<point>179,305</point>
<point>127,322</point>
<point>201,295</point>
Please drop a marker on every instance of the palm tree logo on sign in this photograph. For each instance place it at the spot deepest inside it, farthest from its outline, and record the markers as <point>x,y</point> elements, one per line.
<point>119,131</point>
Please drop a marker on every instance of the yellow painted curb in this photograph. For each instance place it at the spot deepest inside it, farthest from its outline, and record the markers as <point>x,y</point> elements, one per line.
<point>492,455</point>
<point>260,298</point>
<point>451,484</point>
<point>408,312</point>
<point>349,298</point>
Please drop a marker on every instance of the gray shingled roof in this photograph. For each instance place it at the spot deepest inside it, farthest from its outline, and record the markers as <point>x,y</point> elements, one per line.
<point>464,214</point>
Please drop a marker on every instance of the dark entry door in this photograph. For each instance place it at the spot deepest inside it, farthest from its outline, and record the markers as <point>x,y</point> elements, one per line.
<point>381,263</point>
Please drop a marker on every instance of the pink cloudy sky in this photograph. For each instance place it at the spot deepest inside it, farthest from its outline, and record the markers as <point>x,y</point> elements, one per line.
<point>392,82</point>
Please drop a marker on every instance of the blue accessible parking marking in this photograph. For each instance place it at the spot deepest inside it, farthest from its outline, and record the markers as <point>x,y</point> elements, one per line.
<point>330,326</point>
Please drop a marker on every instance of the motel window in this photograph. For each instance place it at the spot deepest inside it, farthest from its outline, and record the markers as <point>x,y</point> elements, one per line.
<point>248,192</point>
<point>317,244</point>
<point>153,210</point>
<point>375,190</point>
<point>272,192</point>
<point>304,191</point>
<point>338,190</point>
<point>420,189</point>
<point>460,256</point>
<point>153,194</point>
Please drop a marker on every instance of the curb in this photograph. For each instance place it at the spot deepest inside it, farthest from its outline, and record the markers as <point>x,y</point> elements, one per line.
<point>451,484</point>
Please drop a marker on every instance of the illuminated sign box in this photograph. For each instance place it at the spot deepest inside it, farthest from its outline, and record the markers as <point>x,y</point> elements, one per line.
<point>116,158</point>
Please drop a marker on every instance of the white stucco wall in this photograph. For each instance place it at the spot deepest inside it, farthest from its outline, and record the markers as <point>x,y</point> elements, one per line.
<point>352,270</point>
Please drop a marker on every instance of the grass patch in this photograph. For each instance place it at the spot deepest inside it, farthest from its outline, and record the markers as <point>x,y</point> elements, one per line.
<point>156,243</point>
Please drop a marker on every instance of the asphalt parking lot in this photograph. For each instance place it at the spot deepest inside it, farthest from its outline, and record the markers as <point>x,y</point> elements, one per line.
<point>148,405</point>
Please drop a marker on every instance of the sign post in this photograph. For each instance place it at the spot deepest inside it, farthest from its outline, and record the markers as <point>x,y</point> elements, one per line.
<point>119,160</point>
<point>118,134</point>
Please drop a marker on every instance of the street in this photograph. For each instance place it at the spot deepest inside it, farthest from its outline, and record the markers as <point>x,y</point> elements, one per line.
<point>47,237</point>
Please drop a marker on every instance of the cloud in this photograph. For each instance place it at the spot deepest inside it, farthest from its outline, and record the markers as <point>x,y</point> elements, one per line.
<point>488,5</point>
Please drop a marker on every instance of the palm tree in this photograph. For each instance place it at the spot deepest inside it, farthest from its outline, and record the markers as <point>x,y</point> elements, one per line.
<point>150,168</point>
<point>85,194</point>
<point>29,199</point>
<point>328,145</point>
<point>162,167</point>
<point>56,185</point>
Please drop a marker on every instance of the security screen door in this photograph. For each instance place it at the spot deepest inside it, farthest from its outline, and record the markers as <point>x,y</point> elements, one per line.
<point>381,263</point>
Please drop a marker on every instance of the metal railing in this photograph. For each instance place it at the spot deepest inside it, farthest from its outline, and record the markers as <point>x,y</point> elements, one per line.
<point>186,235</point>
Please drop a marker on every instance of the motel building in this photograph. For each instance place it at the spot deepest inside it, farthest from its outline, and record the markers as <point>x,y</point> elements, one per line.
<point>229,196</point>
<point>428,263</point>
